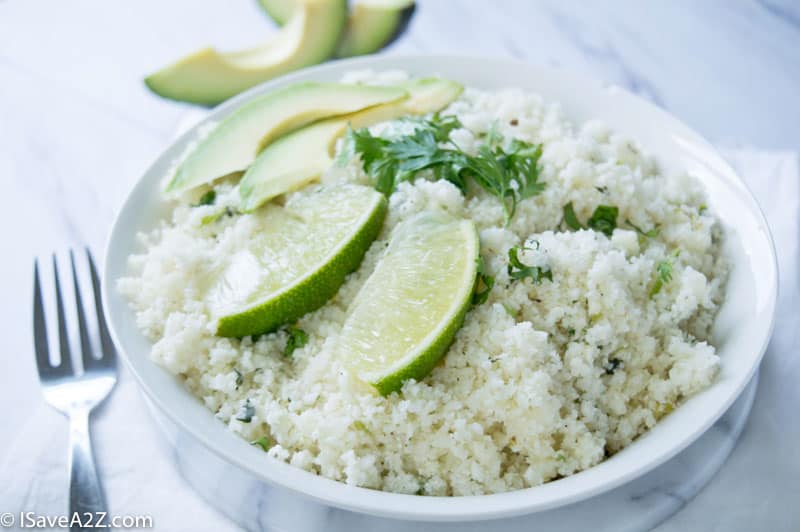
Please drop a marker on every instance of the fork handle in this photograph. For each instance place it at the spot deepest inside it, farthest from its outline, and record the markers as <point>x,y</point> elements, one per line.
<point>85,493</point>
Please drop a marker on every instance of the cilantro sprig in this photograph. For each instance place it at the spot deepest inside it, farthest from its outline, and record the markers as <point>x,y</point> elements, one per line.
<point>510,172</point>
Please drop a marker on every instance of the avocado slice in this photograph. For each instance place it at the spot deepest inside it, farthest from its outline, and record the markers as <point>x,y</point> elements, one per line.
<point>236,141</point>
<point>208,77</point>
<point>370,25</point>
<point>300,157</point>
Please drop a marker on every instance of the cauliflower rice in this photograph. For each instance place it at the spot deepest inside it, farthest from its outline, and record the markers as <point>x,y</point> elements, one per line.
<point>542,381</point>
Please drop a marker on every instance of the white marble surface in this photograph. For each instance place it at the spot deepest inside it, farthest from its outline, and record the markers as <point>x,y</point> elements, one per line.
<point>77,127</point>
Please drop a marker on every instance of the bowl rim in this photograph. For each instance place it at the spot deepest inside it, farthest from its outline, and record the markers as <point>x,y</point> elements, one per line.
<point>387,504</point>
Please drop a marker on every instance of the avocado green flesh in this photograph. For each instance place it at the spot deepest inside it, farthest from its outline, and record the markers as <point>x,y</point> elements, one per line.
<point>235,143</point>
<point>370,24</point>
<point>208,77</point>
<point>300,157</point>
<point>299,257</point>
<point>279,10</point>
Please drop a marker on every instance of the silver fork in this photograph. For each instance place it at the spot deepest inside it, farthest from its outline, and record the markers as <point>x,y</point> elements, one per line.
<point>72,393</point>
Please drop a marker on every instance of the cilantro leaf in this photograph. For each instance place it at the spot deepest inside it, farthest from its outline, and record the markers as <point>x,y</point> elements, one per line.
<point>510,175</point>
<point>297,339</point>
<point>439,125</point>
<point>523,161</point>
<point>518,270</point>
<point>206,199</point>
<point>418,151</point>
<point>487,171</point>
<point>373,157</point>
<point>604,219</point>
<point>570,218</point>
<point>483,284</point>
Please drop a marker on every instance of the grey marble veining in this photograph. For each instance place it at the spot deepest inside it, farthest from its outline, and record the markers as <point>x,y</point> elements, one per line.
<point>77,128</point>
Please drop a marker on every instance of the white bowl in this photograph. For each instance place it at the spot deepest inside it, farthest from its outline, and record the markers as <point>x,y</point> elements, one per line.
<point>741,332</point>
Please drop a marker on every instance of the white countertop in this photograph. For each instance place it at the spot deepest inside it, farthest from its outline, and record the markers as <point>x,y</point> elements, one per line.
<point>77,128</point>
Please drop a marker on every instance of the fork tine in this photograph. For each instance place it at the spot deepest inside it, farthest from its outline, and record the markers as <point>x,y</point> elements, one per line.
<point>39,325</point>
<point>86,344</point>
<point>106,344</point>
<point>65,365</point>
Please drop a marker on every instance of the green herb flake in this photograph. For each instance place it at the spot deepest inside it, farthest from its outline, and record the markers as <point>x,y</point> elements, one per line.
<point>571,331</point>
<point>652,233</point>
<point>206,199</point>
<point>246,413</point>
<point>483,284</point>
<point>663,409</point>
<point>518,270</point>
<point>213,217</point>
<point>297,339</point>
<point>570,218</point>
<point>239,378</point>
<point>262,442</point>
<point>612,366</point>
<point>561,457</point>
<point>604,219</point>
<point>361,426</point>
<point>664,272</point>
<point>702,208</point>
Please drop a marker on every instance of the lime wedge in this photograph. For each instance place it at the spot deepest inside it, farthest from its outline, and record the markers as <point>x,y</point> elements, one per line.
<point>297,260</point>
<point>405,316</point>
